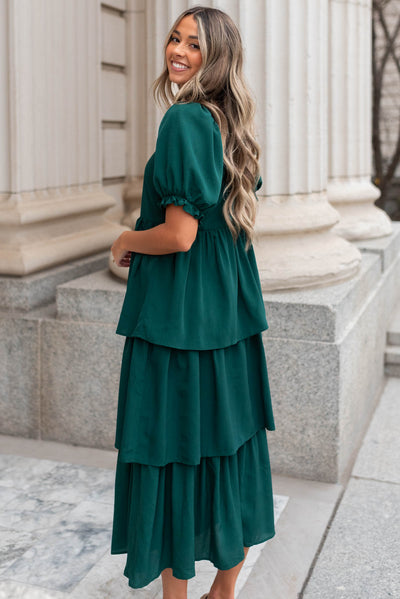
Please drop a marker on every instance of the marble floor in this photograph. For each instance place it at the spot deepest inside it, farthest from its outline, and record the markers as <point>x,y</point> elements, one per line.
<point>55,534</point>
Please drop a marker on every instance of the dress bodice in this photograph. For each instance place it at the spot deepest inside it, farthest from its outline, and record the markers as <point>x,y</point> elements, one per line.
<point>210,296</point>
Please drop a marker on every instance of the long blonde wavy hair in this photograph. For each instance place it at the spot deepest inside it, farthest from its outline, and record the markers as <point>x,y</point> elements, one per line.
<point>220,86</point>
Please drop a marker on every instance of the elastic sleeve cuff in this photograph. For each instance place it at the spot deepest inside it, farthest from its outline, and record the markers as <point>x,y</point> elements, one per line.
<point>186,205</point>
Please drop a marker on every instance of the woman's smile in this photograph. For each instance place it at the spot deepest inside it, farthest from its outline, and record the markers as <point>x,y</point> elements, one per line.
<point>178,66</point>
<point>183,54</point>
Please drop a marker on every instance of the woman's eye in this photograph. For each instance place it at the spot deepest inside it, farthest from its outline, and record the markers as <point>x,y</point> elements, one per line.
<point>176,40</point>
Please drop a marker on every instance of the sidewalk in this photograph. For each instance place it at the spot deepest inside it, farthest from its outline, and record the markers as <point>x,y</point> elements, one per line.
<point>56,512</point>
<point>361,554</point>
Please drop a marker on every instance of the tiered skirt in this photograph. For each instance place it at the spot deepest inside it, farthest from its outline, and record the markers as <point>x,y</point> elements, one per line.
<point>193,477</point>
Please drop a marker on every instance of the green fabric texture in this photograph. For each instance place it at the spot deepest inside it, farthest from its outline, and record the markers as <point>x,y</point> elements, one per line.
<point>169,517</point>
<point>209,297</point>
<point>219,398</point>
<point>193,477</point>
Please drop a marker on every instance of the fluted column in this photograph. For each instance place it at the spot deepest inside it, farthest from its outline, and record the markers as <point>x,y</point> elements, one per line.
<point>286,65</point>
<point>349,188</point>
<point>51,198</point>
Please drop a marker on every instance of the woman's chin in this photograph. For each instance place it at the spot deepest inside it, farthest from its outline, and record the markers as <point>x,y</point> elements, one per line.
<point>179,81</point>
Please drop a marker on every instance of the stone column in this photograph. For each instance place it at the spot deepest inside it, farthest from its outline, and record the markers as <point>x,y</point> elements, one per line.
<point>349,188</point>
<point>137,81</point>
<point>139,106</point>
<point>51,198</point>
<point>286,64</point>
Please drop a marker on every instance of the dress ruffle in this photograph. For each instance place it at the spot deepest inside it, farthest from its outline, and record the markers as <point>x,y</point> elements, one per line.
<point>179,405</point>
<point>207,298</point>
<point>187,206</point>
<point>171,516</point>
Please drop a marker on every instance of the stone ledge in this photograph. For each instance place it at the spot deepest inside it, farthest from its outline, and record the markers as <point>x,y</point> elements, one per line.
<point>387,247</point>
<point>79,386</point>
<point>58,452</point>
<point>393,335</point>
<point>96,297</point>
<point>392,370</point>
<point>321,314</point>
<point>392,354</point>
<point>19,375</point>
<point>31,291</point>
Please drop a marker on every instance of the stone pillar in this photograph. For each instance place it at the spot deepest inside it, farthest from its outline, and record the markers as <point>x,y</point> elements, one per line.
<point>51,198</point>
<point>138,89</point>
<point>349,188</point>
<point>286,64</point>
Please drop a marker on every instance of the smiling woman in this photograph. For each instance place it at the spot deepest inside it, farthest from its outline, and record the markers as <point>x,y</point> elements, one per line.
<point>193,478</point>
<point>183,54</point>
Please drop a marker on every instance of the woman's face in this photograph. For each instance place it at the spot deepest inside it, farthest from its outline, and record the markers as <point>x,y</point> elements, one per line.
<point>183,54</point>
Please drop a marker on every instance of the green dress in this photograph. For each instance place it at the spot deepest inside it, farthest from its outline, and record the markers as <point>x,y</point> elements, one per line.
<point>193,476</point>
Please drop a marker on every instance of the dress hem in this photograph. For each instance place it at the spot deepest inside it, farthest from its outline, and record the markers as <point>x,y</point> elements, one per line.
<point>204,557</point>
<point>184,346</point>
<point>129,460</point>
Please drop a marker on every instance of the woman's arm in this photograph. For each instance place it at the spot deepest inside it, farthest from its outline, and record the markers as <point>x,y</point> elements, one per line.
<point>176,234</point>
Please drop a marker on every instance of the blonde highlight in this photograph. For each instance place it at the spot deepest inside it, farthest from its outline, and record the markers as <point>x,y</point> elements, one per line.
<point>220,86</point>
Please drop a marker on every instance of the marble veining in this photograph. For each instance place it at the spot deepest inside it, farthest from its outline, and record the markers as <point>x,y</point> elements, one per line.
<point>60,558</point>
<point>16,590</point>
<point>29,513</point>
<point>7,494</point>
<point>13,544</point>
<point>55,535</point>
<point>72,483</point>
<point>20,472</point>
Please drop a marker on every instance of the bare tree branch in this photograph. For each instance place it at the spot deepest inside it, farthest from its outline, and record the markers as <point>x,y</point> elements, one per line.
<point>376,105</point>
<point>391,39</point>
<point>393,164</point>
<point>383,178</point>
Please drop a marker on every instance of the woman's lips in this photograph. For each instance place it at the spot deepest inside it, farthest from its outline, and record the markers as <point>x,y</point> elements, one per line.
<point>178,67</point>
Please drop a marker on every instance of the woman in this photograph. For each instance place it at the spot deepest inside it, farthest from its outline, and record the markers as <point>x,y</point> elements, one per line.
<point>193,476</point>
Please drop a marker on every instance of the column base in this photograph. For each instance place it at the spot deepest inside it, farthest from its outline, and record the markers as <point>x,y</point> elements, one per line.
<point>45,228</point>
<point>359,217</point>
<point>314,259</point>
<point>362,221</point>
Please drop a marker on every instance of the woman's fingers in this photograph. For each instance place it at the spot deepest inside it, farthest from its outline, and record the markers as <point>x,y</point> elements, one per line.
<point>125,260</point>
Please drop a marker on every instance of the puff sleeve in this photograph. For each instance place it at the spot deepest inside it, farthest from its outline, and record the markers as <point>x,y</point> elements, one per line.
<point>188,161</point>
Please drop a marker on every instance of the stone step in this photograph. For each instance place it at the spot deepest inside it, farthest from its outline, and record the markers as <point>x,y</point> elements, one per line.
<point>96,297</point>
<point>38,289</point>
<point>392,360</point>
<point>392,350</point>
<point>393,333</point>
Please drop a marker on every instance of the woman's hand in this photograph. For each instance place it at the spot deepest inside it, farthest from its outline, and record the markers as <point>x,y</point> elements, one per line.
<point>122,256</point>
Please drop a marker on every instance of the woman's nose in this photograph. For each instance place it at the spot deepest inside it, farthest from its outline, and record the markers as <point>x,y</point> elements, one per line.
<point>180,48</point>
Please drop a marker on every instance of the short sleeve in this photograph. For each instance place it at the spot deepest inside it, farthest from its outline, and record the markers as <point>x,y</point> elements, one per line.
<point>188,161</point>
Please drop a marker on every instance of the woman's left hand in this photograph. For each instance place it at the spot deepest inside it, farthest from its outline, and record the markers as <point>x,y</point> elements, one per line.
<point>121,255</point>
